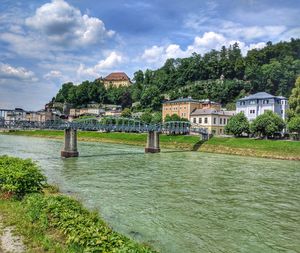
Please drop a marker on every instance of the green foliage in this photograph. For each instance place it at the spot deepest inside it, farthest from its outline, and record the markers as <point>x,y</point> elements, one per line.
<point>267,124</point>
<point>19,176</point>
<point>237,125</point>
<point>156,118</point>
<point>221,75</point>
<point>294,101</point>
<point>146,117</point>
<point>126,113</point>
<point>294,125</point>
<point>174,117</point>
<point>82,229</point>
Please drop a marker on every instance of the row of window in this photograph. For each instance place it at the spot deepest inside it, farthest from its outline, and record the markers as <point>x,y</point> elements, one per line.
<point>205,121</point>
<point>175,108</point>
<point>265,101</point>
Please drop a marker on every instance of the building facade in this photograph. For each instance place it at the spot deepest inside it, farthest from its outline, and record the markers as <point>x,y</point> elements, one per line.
<point>214,121</point>
<point>117,79</point>
<point>256,104</point>
<point>183,107</point>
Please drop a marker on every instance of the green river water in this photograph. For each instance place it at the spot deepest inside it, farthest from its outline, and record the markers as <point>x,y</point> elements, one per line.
<point>178,202</point>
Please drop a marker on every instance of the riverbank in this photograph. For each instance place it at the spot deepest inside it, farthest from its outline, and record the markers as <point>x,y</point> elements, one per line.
<point>181,142</point>
<point>48,221</point>
<point>276,149</point>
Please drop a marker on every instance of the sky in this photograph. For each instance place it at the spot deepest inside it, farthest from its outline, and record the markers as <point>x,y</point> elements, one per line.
<point>44,43</point>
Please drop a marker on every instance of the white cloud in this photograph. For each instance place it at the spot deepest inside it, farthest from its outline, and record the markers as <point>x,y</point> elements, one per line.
<point>110,62</point>
<point>53,74</point>
<point>63,23</point>
<point>157,55</point>
<point>9,72</point>
<point>152,54</point>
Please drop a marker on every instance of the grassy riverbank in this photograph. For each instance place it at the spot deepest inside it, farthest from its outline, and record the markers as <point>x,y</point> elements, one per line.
<point>277,149</point>
<point>166,141</point>
<point>48,221</point>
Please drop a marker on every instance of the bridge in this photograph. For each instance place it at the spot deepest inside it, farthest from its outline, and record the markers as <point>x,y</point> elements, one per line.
<point>106,125</point>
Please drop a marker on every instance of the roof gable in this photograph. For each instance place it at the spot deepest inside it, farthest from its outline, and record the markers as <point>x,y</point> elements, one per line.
<point>117,76</point>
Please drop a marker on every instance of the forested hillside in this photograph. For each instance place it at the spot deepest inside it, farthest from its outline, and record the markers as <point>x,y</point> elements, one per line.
<point>223,76</point>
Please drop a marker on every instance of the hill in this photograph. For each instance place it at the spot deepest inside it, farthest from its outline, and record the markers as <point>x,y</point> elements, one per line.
<point>222,75</point>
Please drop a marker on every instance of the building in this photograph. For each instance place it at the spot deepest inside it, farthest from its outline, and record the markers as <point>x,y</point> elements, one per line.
<point>117,79</point>
<point>183,107</point>
<point>16,114</point>
<point>256,104</point>
<point>214,121</point>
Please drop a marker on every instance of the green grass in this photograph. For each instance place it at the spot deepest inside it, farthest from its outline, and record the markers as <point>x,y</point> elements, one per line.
<point>251,147</point>
<point>167,141</point>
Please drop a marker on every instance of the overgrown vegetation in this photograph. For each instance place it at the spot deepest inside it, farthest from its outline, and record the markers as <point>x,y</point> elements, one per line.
<point>222,75</point>
<point>19,177</point>
<point>77,229</point>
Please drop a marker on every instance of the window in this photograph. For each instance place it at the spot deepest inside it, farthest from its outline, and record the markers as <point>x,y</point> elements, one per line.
<point>215,121</point>
<point>224,121</point>
<point>281,111</point>
<point>252,102</point>
<point>205,120</point>
<point>200,120</point>
<point>221,131</point>
<point>194,120</point>
<point>220,121</point>
<point>252,111</point>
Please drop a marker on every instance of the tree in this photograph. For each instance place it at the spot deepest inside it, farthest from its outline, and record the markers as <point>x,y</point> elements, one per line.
<point>237,125</point>
<point>156,118</point>
<point>126,113</point>
<point>151,98</point>
<point>146,117</point>
<point>294,125</point>
<point>294,100</point>
<point>267,124</point>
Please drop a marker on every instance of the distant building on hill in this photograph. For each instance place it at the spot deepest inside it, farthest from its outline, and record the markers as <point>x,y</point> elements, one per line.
<point>183,107</point>
<point>256,104</point>
<point>214,121</point>
<point>117,79</point>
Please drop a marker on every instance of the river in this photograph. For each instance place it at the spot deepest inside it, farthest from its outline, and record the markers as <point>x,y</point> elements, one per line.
<point>178,202</point>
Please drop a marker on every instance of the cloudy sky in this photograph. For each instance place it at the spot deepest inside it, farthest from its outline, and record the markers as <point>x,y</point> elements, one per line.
<point>44,43</point>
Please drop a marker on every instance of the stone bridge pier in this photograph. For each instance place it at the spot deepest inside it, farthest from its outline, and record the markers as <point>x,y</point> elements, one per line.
<point>152,142</point>
<point>70,145</point>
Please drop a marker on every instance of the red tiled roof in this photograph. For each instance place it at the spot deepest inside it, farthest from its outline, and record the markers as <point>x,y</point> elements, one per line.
<point>117,76</point>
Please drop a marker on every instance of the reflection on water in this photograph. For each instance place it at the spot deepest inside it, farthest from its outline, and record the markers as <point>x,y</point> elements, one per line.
<point>178,201</point>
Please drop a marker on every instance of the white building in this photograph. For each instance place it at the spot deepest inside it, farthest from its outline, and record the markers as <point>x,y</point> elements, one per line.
<point>214,121</point>
<point>256,104</point>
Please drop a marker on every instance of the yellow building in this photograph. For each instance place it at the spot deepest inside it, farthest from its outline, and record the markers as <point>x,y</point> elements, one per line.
<point>212,120</point>
<point>183,107</point>
<point>117,79</point>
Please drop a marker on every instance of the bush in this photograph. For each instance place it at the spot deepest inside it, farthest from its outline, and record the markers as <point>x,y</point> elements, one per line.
<point>83,229</point>
<point>19,176</point>
<point>237,125</point>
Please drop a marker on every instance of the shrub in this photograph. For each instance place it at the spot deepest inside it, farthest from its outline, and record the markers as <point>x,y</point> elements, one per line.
<point>20,176</point>
<point>83,229</point>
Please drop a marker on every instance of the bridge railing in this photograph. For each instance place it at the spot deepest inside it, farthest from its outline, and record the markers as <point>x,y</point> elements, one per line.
<point>118,125</point>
